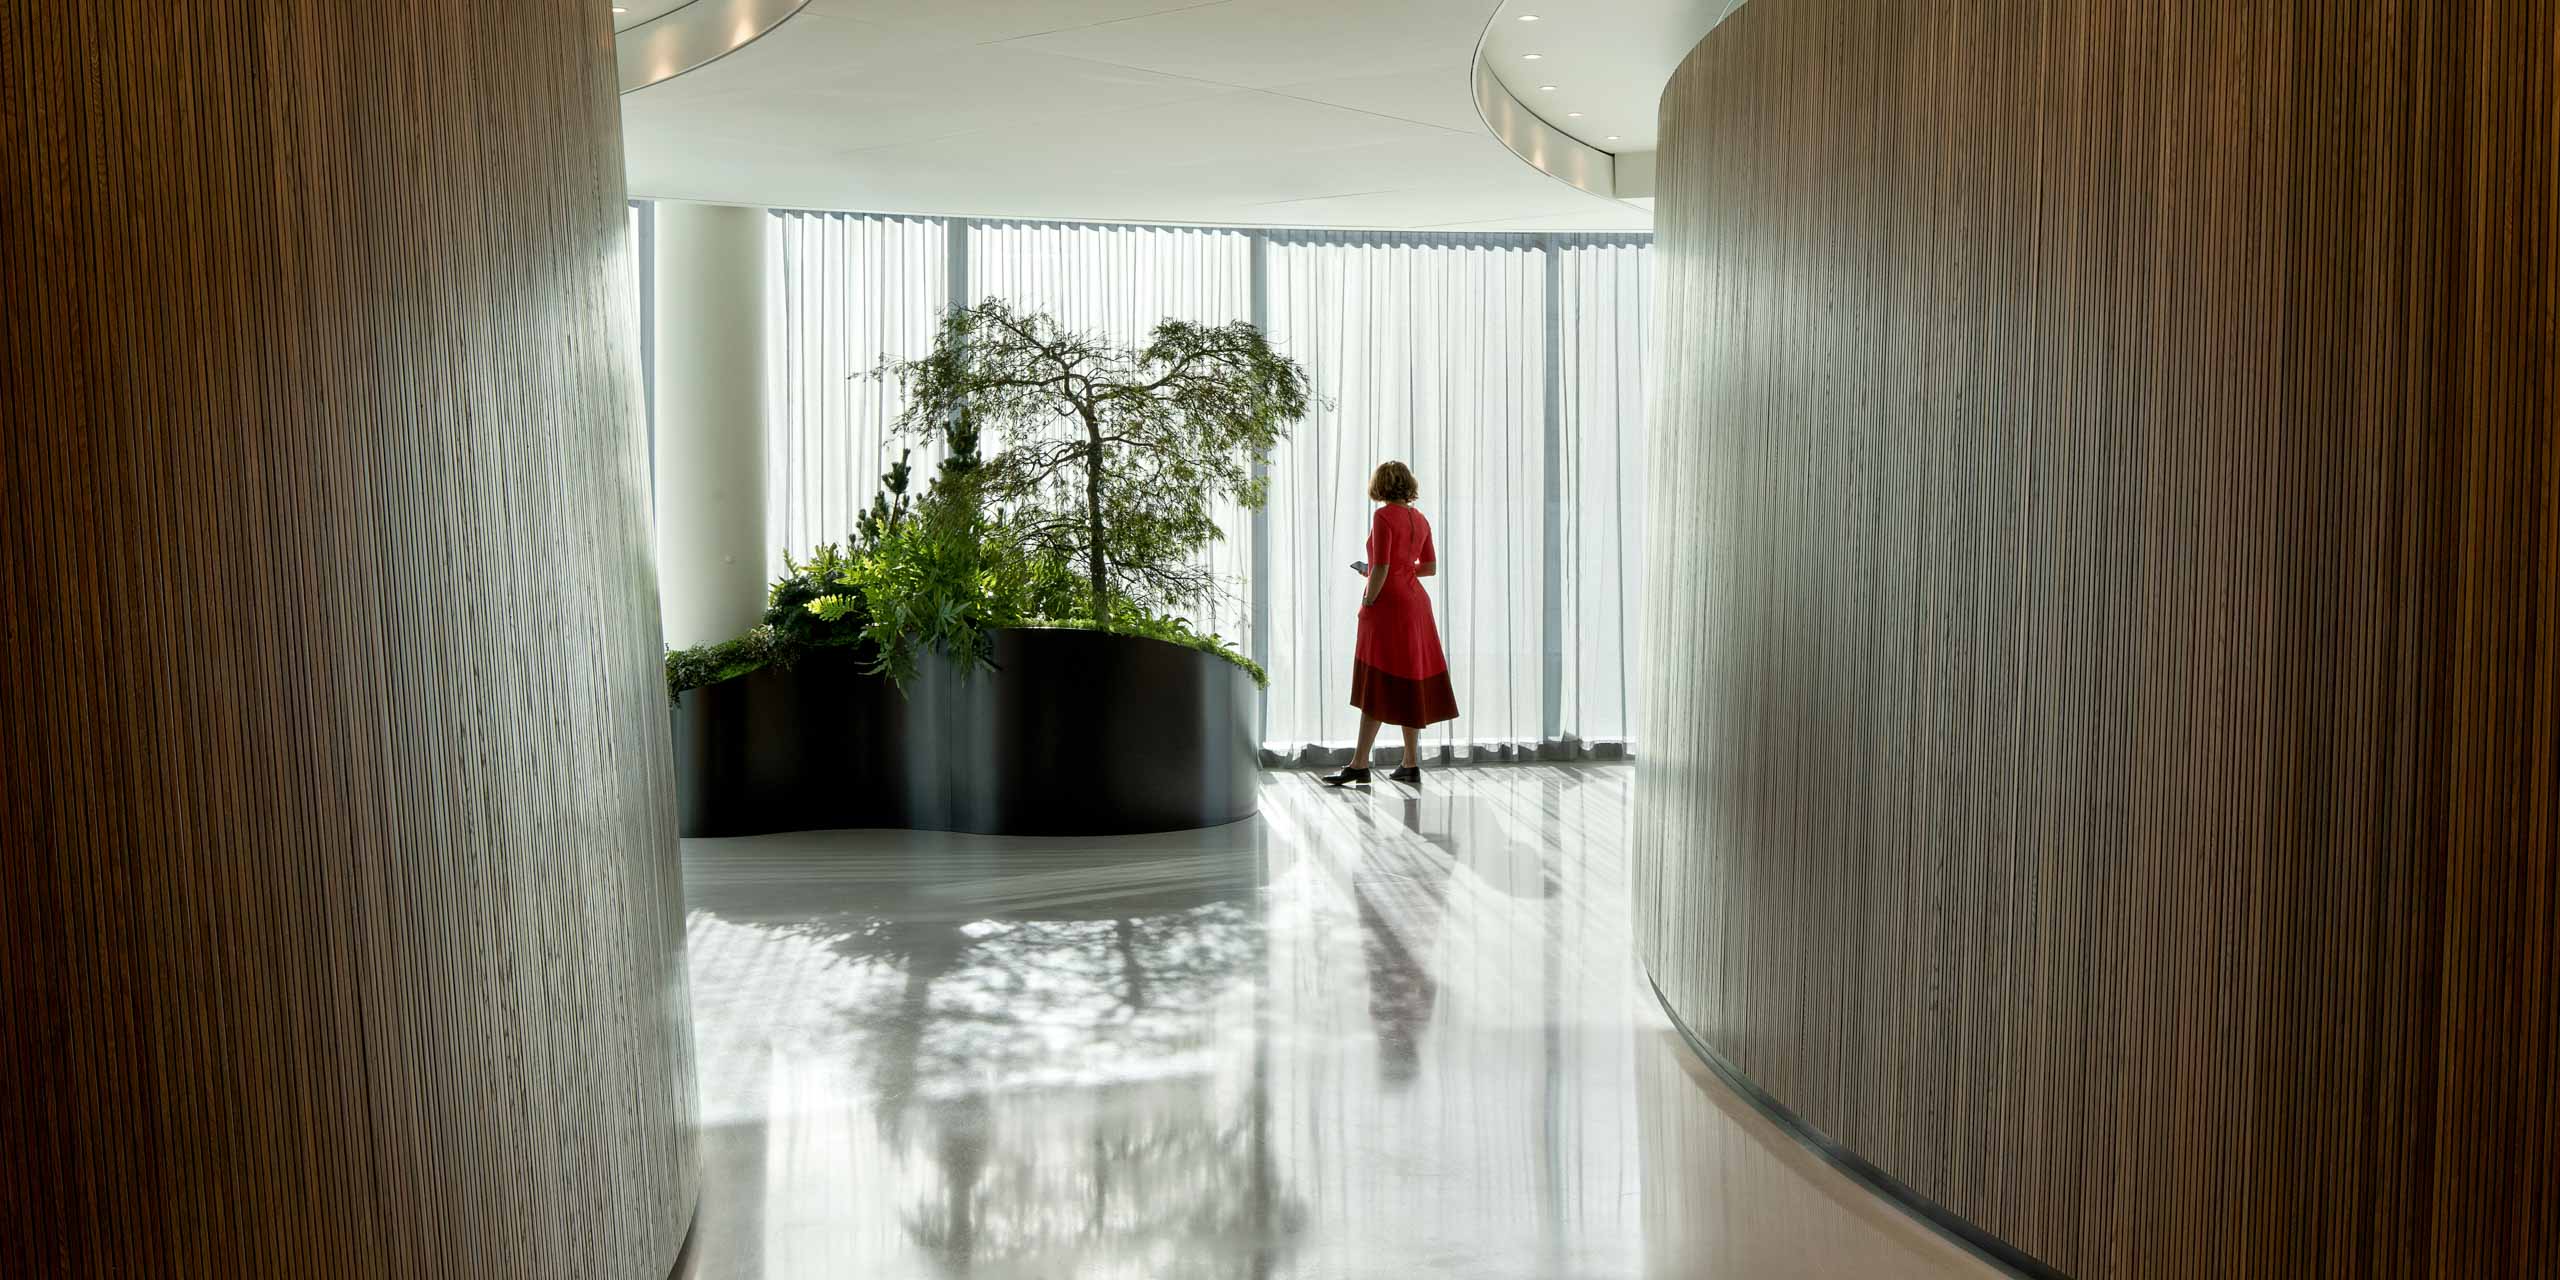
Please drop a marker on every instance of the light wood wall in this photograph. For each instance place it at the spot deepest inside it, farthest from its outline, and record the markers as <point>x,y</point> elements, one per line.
<point>2104,755</point>
<point>339,923</point>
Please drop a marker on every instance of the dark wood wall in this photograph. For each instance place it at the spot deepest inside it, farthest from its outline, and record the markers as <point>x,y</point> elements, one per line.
<point>339,921</point>
<point>2104,764</point>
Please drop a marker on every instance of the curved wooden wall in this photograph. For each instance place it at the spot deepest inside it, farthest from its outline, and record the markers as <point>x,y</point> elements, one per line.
<point>339,922</point>
<point>2105,756</point>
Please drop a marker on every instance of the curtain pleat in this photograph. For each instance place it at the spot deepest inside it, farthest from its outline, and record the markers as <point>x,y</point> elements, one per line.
<point>1606,307</point>
<point>847,291</point>
<point>1116,281</point>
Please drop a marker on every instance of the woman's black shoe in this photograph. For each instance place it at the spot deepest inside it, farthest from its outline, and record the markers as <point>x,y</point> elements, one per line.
<point>1349,777</point>
<point>1410,774</point>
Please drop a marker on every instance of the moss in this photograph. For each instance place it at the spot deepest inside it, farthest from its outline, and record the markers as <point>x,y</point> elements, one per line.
<point>705,664</point>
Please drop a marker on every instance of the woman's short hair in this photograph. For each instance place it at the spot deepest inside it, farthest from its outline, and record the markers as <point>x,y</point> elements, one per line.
<point>1394,482</point>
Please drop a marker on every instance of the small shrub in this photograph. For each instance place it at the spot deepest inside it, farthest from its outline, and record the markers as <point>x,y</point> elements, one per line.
<point>942,575</point>
<point>805,583</point>
<point>808,607</point>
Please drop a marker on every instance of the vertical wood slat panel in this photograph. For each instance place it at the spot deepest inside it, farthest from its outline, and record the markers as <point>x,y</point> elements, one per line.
<point>341,933</point>
<point>2104,754</point>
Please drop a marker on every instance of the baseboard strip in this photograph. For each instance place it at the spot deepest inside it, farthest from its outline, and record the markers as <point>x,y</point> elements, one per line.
<point>1937,1217</point>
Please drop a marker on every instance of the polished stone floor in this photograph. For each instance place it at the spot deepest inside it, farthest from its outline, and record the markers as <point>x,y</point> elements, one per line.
<point>1393,1033</point>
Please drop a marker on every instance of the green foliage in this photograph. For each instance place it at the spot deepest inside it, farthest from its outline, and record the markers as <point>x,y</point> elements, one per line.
<point>788,602</point>
<point>727,659</point>
<point>889,507</point>
<point>1115,459</point>
<point>920,591</point>
<point>941,576</point>
<point>791,625</point>
<point>809,606</point>
<point>806,608</point>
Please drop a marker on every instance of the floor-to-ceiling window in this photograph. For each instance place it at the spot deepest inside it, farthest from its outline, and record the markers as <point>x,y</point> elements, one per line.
<point>1120,281</point>
<point>1507,369</point>
<point>1604,309</point>
<point>1430,351</point>
<point>847,291</point>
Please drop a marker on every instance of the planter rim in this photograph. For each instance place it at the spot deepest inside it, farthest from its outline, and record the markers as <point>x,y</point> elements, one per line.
<point>1056,628</point>
<point>1053,628</point>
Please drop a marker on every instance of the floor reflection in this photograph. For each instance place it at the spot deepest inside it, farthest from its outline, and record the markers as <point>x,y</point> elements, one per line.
<point>1390,1033</point>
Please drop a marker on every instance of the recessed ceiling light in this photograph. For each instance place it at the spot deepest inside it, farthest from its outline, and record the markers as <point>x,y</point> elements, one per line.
<point>1531,57</point>
<point>1611,138</point>
<point>1573,115</point>
<point>1546,88</point>
<point>1528,17</point>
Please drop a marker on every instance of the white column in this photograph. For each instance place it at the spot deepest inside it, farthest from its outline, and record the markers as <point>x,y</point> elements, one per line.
<point>710,304</point>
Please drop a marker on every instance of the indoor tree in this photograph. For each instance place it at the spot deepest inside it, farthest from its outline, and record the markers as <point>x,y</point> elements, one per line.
<point>1112,458</point>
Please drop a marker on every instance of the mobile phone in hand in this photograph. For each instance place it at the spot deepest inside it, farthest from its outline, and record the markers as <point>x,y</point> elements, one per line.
<point>1360,567</point>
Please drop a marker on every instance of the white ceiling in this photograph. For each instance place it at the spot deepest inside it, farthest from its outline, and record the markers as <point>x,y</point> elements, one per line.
<point>1353,113</point>
<point>1608,60</point>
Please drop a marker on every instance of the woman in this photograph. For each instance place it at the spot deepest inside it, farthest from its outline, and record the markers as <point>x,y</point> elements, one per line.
<point>1399,676</point>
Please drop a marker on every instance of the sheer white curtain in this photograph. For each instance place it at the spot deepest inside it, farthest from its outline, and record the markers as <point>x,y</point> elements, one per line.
<point>1120,282</point>
<point>1432,351</point>
<point>847,291</point>
<point>1116,281</point>
<point>1605,307</point>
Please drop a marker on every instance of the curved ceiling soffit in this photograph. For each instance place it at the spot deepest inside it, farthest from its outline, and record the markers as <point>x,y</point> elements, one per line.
<point>693,34</point>
<point>1540,145</point>
<point>1627,176</point>
<point>1544,147</point>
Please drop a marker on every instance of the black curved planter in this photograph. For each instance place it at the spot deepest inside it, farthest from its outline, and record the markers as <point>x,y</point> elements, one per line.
<point>1073,733</point>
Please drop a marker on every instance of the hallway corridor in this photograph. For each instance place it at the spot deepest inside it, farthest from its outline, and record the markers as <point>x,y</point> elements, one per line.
<point>1365,1034</point>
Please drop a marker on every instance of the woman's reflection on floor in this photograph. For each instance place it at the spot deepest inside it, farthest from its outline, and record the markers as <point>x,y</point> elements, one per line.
<point>1401,893</point>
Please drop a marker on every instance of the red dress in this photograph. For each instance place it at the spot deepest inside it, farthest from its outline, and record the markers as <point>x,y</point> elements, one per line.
<point>1398,672</point>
